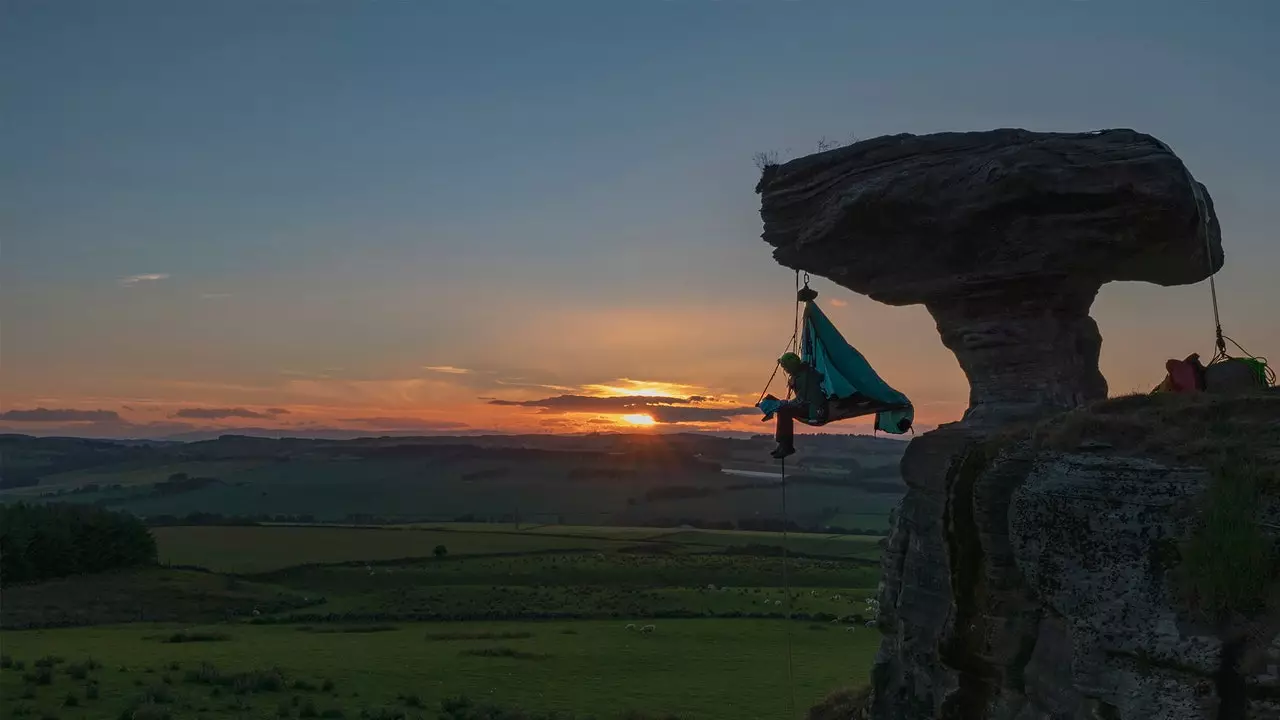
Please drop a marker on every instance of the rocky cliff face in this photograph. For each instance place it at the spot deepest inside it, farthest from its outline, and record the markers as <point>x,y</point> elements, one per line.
<point>1032,570</point>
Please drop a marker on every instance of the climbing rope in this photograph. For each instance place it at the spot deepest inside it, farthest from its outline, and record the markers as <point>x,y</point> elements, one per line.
<point>1202,214</point>
<point>786,587</point>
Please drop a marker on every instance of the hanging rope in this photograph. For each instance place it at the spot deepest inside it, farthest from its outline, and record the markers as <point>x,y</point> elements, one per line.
<point>793,345</point>
<point>786,587</point>
<point>1202,214</point>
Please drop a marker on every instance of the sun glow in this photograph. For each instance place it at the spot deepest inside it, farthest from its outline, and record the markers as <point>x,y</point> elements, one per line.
<point>637,419</point>
<point>626,387</point>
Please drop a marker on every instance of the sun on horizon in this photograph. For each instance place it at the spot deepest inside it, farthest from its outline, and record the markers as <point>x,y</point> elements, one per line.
<point>638,419</point>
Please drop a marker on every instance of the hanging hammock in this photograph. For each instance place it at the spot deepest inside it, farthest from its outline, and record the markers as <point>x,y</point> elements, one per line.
<point>851,386</point>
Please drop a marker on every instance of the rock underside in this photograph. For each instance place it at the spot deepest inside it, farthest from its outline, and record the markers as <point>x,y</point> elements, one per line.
<point>1030,571</point>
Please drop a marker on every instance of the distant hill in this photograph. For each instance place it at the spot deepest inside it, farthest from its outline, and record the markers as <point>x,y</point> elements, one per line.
<point>842,482</point>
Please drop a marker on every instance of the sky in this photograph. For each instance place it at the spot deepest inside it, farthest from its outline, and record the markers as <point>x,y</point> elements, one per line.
<point>389,214</point>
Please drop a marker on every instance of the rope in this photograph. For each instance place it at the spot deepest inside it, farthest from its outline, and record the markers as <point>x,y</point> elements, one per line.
<point>786,586</point>
<point>1202,213</point>
<point>795,332</point>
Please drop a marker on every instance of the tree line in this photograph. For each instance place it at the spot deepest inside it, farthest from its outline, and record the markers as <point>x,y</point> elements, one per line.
<point>51,540</point>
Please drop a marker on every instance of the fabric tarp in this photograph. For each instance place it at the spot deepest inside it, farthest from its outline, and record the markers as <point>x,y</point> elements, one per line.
<point>852,386</point>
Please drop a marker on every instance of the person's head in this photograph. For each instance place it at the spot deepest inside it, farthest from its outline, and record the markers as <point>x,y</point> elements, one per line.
<point>791,363</point>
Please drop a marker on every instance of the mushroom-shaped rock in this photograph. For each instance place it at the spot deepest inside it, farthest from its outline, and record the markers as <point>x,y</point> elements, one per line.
<point>1005,236</point>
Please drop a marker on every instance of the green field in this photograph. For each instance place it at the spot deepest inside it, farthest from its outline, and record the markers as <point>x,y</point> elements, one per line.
<point>355,622</point>
<point>255,549</point>
<point>693,668</point>
<point>261,549</point>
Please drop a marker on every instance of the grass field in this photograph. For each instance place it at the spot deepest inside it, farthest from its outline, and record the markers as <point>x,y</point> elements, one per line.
<point>261,549</point>
<point>692,668</point>
<point>256,549</point>
<point>354,622</point>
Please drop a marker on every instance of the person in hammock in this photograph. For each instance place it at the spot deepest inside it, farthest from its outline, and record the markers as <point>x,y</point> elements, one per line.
<point>808,401</point>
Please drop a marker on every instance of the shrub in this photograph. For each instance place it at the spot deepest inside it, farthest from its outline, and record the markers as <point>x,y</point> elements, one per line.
<point>71,700</point>
<point>206,674</point>
<point>308,710</point>
<point>22,710</point>
<point>145,711</point>
<point>332,713</point>
<point>284,710</point>
<point>48,661</point>
<point>91,691</point>
<point>1230,566</point>
<point>303,685</point>
<point>190,637</point>
<point>78,671</point>
<point>387,714</point>
<point>327,685</point>
<point>464,635</point>
<point>411,700</point>
<point>503,651</point>
<point>6,662</point>
<point>41,675</point>
<point>19,665</point>
<point>157,695</point>
<point>28,692</point>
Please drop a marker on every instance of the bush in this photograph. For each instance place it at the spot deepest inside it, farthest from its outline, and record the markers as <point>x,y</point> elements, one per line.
<point>303,685</point>
<point>78,671</point>
<point>22,710</point>
<point>308,710</point>
<point>463,635</point>
<point>1230,566</point>
<point>19,664</point>
<point>327,685</point>
<point>463,708</point>
<point>71,700</point>
<point>29,692</point>
<point>49,661</point>
<point>145,711</point>
<point>190,637</point>
<point>284,710</point>
<point>503,651</point>
<point>6,662</point>
<point>91,691</point>
<point>40,675</point>
<point>332,713</point>
<point>157,695</point>
<point>411,700</point>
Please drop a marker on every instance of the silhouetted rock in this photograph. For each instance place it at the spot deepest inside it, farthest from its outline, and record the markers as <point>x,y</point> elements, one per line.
<point>1005,236</point>
<point>1030,571</point>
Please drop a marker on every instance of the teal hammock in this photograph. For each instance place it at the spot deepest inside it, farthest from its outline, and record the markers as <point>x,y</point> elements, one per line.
<point>852,387</point>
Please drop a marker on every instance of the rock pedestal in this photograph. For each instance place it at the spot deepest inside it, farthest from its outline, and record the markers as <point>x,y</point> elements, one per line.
<point>1020,584</point>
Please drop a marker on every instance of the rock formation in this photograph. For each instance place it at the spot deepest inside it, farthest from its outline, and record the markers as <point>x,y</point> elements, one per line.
<point>1028,579</point>
<point>1005,236</point>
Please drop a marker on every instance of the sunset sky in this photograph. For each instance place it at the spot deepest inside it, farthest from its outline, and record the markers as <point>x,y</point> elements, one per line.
<point>504,216</point>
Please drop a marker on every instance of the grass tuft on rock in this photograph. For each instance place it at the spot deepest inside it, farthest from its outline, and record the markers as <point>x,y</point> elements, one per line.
<point>1231,562</point>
